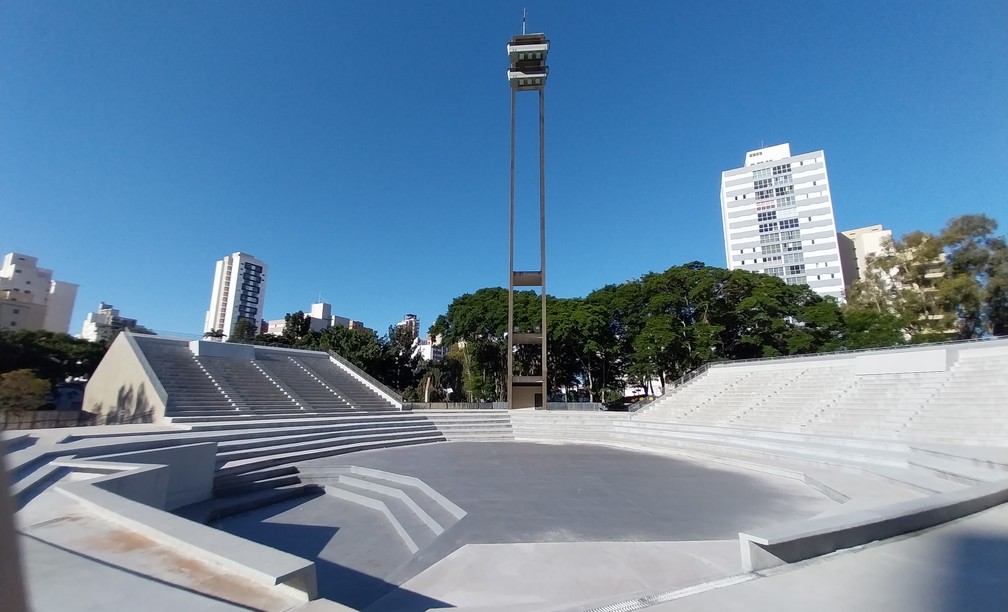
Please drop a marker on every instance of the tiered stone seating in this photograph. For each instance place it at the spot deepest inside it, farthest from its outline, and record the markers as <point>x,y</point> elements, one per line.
<point>971,404</point>
<point>796,405</point>
<point>309,388</point>
<point>255,389</point>
<point>191,390</point>
<point>691,397</point>
<point>880,405</point>
<point>359,396</point>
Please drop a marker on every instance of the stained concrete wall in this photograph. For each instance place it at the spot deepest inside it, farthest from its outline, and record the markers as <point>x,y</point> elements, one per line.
<point>123,388</point>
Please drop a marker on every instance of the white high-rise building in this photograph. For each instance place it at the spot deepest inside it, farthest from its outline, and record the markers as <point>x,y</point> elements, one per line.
<point>239,291</point>
<point>778,219</point>
<point>31,298</point>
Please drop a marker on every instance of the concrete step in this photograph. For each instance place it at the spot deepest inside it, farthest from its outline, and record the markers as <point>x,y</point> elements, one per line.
<point>238,466</point>
<point>220,507</point>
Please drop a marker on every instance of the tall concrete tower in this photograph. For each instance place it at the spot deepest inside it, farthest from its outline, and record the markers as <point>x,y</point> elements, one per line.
<point>527,72</point>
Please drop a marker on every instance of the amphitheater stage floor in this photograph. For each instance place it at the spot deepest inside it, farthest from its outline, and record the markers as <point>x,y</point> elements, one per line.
<point>594,520</point>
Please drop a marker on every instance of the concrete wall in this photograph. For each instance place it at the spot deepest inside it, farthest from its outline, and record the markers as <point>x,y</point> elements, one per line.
<point>524,397</point>
<point>202,348</point>
<point>122,385</point>
<point>190,472</point>
<point>934,360</point>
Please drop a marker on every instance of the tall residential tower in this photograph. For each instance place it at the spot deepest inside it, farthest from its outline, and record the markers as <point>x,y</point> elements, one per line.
<point>778,219</point>
<point>239,292</point>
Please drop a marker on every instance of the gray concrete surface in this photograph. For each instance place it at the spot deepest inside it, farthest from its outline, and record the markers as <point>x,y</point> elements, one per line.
<point>538,576</point>
<point>81,563</point>
<point>521,493</point>
<point>960,566</point>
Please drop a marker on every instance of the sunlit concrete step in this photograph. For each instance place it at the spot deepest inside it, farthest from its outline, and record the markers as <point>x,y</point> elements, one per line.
<point>238,466</point>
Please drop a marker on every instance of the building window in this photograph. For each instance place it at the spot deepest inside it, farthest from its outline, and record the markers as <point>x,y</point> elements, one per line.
<point>770,248</point>
<point>782,169</point>
<point>794,258</point>
<point>792,246</point>
<point>768,238</point>
<point>768,227</point>
<point>783,191</point>
<point>764,194</point>
<point>766,216</point>
<point>17,311</point>
<point>788,223</point>
<point>772,259</point>
<point>762,184</point>
<point>776,271</point>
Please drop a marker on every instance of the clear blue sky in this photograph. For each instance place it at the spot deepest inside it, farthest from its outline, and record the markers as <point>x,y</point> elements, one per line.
<point>361,148</point>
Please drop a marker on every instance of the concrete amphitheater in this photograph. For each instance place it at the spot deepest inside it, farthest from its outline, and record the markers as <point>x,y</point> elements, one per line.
<point>276,479</point>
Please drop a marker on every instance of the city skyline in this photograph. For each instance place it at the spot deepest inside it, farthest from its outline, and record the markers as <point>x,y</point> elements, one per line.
<point>182,132</point>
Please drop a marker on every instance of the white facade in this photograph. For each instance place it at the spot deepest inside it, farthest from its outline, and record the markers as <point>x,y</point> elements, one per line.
<point>59,306</point>
<point>239,292</point>
<point>855,247</point>
<point>32,299</point>
<point>411,324</point>
<point>777,214</point>
<point>105,324</point>
<point>321,318</point>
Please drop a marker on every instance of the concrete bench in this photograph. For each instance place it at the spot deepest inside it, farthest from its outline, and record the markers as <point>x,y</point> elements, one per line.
<point>291,575</point>
<point>792,542</point>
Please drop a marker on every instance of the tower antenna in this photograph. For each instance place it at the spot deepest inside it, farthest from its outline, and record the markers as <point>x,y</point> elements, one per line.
<point>524,14</point>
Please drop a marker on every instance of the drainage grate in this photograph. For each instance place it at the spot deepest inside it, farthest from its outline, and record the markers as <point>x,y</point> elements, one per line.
<point>658,598</point>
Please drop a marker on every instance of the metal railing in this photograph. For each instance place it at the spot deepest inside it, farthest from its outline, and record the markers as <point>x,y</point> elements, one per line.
<point>54,419</point>
<point>455,405</point>
<point>364,375</point>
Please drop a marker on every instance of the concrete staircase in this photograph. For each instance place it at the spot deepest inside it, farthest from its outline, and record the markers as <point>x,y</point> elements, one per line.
<point>191,389</point>
<point>257,391</point>
<point>359,395</point>
<point>416,512</point>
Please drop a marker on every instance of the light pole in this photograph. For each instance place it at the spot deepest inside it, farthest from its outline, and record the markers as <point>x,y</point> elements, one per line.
<point>528,71</point>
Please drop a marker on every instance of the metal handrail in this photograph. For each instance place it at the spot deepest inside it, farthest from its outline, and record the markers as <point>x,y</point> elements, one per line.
<point>371,379</point>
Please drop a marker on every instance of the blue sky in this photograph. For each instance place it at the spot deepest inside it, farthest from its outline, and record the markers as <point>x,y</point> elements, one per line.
<point>361,148</point>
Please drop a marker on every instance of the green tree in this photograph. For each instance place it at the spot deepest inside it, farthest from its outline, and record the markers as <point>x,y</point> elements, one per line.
<point>296,327</point>
<point>244,331</point>
<point>976,280</point>
<point>52,356</point>
<point>21,390</point>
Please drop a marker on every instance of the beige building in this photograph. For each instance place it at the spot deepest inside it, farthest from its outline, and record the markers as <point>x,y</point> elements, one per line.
<point>320,316</point>
<point>31,299</point>
<point>105,324</point>
<point>855,247</point>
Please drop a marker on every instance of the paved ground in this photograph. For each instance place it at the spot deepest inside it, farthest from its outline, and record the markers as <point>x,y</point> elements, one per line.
<point>75,561</point>
<point>956,567</point>
<point>526,493</point>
